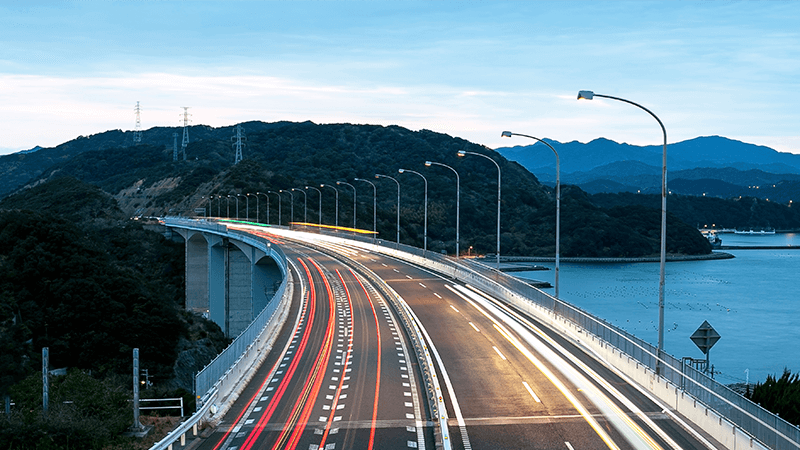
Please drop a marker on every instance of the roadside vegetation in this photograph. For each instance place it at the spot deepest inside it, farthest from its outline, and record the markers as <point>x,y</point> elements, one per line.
<point>78,277</point>
<point>780,395</point>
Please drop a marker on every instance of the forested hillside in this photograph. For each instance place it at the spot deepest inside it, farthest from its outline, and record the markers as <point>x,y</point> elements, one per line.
<point>743,213</point>
<point>77,276</point>
<point>146,181</point>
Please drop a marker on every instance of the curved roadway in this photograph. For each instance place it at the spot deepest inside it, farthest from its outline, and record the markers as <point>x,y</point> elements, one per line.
<point>340,376</point>
<point>346,379</point>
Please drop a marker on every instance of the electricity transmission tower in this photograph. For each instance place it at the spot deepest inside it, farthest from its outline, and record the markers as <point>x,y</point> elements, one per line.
<point>137,132</point>
<point>239,137</point>
<point>185,130</point>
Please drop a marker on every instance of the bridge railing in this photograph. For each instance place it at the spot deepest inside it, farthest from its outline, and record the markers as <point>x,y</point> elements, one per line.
<point>220,377</point>
<point>211,374</point>
<point>762,425</point>
<point>768,428</point>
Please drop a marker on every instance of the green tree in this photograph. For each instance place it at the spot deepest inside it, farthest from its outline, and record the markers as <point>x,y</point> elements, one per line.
<point>780,396</point>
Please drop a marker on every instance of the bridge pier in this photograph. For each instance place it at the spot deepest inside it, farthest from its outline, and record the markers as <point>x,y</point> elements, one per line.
<point>228,281</point>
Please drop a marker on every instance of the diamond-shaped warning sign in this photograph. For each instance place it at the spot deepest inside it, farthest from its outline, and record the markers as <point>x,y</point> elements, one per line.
<point>705,337</point>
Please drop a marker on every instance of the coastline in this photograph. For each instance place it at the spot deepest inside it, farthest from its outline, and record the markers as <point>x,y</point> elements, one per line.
<point>580,259</point>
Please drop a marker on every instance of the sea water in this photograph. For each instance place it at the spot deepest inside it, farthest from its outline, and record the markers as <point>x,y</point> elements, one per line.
<point>752,300</point>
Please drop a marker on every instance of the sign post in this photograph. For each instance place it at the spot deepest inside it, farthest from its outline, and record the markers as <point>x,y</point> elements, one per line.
<point>704,338</point>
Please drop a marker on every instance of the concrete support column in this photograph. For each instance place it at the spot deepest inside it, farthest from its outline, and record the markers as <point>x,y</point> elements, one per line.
<point>240,298</point>
<point>217,280</point>
<point>197,255</point>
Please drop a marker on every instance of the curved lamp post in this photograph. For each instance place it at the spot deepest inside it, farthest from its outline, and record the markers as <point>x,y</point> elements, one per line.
<point>374,204</point>
<point>279,205</point>
<point>320,202</point>
<point>588,95</point>
<point>265,195</point>
<point>354,200</point>
<point>462,153</point>
<point>305,204</point>
<point>237,205</point>
<point>558,197</point>
<point>219,205</point>
<point>425,227</point>
<point>291,205</point>
<point>377,175</point>
<point>246,206</point>
<point>228,206</point>
<point>458,200</point>
<point>337,200</point>
<point>208,212</point>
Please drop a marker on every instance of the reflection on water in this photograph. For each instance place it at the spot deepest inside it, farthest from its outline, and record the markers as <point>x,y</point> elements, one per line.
<point>751,300</point>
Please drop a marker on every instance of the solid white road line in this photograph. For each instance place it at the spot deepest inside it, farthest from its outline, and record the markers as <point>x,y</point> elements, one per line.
<point>530,391</point>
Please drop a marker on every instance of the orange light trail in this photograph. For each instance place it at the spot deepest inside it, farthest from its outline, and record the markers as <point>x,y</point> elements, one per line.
<point>323,357</point>
<point>344,367</point>
<point>273,404</point>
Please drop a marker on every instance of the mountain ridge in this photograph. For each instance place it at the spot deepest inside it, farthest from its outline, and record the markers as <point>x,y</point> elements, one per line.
<point>703,151</point>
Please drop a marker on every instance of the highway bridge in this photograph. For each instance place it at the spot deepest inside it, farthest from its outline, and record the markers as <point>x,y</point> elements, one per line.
<point>381,347</point>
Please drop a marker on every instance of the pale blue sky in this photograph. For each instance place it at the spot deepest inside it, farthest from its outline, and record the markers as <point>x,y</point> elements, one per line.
<point>468,69</point>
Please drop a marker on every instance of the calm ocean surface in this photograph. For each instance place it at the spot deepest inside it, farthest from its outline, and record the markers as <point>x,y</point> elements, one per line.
<point>751,300</point>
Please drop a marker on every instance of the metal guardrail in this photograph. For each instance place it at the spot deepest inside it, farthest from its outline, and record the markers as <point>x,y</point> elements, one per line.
<point>179,433</point>
<point>433,390</point>
<point>216,369</point>
<point>766,427</point>
<point>209,378</point>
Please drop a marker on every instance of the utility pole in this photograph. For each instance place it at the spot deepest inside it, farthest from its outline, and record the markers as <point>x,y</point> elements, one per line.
<point>185,130</point>
<point>137,132</point>
<point>239,137</point>
<point>136,424</point>
<point>45,379</point>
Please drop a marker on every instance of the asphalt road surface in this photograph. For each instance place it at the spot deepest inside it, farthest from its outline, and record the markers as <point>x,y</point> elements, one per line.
<point>342,374</point>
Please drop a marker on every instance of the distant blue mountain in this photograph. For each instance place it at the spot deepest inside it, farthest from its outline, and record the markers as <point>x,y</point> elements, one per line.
<point>709,151</point>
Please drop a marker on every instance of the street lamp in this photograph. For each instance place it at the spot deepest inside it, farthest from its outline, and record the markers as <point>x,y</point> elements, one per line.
<point>291,205</point>
<point>588,95</point>
<point>374,204</point>
<point>337,200</point>
<point>279,205</point>
<point>320,203</point>
<point>377,175</point>
<point>458,199</point>
<point>208,213</point>
<point>265,195</point>
<point>558,197</point>
<point>462,153</point>
<point>425,227</point>
<point>305,204</point>
<point>247,206</point>
<point>354,200</point>
<point>228,206</point>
